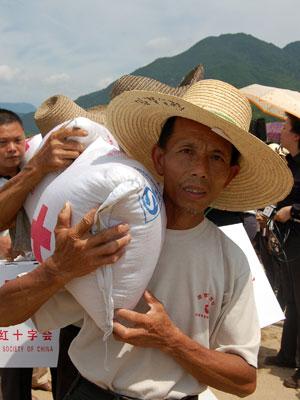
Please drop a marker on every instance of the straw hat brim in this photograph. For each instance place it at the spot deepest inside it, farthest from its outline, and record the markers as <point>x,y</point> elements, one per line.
<point>136,118</point>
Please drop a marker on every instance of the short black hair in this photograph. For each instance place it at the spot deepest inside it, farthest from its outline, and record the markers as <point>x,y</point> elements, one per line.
<point>295,123</point>
<point>9,117</point>
<point>166,133</point>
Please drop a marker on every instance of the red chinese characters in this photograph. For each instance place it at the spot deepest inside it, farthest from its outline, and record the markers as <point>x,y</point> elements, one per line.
<point>3,335</point>
<point>206,300</point>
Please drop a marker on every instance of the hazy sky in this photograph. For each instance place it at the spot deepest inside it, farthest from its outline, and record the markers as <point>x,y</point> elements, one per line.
<point>75,47</point>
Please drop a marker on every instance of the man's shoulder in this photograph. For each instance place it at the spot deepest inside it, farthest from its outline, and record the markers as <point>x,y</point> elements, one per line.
<point>231,251</point>
<point>220,243</point>
<point>217,232</point>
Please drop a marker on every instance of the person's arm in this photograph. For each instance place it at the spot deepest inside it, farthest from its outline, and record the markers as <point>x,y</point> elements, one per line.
<point>57,153</point>
<point>5,247</point>
<point>224,371</point>
<point>286,213</point>
<point>77,253</point>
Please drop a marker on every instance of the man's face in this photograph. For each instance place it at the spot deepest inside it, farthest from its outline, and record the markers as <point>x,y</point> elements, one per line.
<point>196,168</point>
<point>12,147</point>
<point>288,138</point>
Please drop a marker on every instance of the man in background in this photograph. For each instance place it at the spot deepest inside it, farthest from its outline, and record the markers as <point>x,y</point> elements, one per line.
<point>15,185</point>
<point>12,149</point>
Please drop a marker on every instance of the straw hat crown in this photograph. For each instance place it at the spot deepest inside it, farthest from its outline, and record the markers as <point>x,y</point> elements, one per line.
<point>221,99</point>
<point>137,82</point>
<point>58,109</point>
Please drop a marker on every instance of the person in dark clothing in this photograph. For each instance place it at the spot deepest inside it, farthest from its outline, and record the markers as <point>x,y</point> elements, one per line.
<point>222,217</point>
<point>288,228</point>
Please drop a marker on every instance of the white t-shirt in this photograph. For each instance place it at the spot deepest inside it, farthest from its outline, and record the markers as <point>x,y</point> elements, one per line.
<point>203,280</point>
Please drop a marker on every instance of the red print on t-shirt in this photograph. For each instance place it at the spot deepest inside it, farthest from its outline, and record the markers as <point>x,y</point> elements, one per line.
<point>206,300</point>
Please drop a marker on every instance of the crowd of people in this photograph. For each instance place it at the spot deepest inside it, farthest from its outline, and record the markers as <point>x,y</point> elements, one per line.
<point>196,325</point>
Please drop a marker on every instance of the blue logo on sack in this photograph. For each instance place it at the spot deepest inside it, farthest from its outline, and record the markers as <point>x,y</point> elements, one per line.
<point>150,205</point>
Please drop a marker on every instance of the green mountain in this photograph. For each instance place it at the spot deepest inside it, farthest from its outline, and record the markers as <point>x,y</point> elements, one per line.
<point>20,108</point>
<point>239,59</point>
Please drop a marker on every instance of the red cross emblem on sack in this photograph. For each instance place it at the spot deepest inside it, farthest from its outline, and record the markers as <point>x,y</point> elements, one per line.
<point>41,236</point>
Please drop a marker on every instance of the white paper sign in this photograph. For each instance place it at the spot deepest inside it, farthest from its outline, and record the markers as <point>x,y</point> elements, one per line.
<point>268,308</point>
<point>22,345</point>
<point>207,395</point>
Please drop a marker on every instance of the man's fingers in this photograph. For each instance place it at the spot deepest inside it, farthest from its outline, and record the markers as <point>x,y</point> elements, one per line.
<point>72,145</point>
<point>118,329</point>
<point>64,217</point>
<point>77,132</point>
<point>152,301</point>
<point>66,132</point>
<point>63,154</point>
<point>108,249</point>
<point>150,298</point>
<point>109,259</point>
<point>85,224</point>
<point>131,316</point>
<point>108,235</point>
<point>122,332</point>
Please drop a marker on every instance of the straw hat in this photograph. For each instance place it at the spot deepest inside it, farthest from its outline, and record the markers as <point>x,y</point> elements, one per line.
<point>136,118</point>
<point>135,82</point>
<point>58,109</point>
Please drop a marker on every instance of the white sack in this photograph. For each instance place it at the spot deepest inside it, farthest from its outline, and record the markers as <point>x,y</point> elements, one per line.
<point>94,131</point>
<point>31,145</point>
<point>102,175</point>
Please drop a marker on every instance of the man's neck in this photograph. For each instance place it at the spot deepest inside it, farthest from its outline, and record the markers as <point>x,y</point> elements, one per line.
<point>182,219</point>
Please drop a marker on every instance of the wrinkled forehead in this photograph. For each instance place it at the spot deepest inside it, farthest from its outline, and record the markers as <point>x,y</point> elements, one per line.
<point>186,130</point>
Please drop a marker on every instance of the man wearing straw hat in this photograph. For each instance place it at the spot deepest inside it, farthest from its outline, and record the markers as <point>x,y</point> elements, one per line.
<point>56,110</point>
<point>196,325</point>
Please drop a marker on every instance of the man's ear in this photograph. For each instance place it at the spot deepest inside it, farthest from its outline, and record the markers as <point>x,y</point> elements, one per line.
<point>234,170</point>
<point>158,159</point>
<point>297,138</point>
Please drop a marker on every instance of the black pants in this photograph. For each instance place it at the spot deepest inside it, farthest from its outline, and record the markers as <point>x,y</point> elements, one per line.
<point>16,383</point>
<point>66,372</point>
<point>275,270</point>
<point>290,340</point>
<point>82,389</point>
